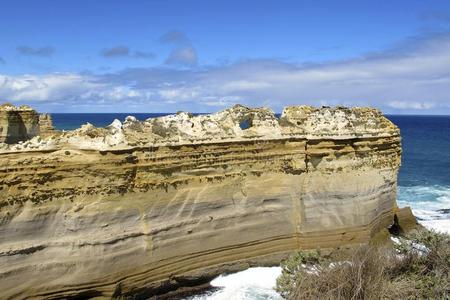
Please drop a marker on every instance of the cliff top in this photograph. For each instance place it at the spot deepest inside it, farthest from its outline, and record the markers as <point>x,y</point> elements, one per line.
<point>232,124</point>
<point>10,107</point>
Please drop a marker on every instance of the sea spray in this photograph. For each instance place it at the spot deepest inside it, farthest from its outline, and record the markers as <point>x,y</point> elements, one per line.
<point>427,202</point>
<point>251,284</point>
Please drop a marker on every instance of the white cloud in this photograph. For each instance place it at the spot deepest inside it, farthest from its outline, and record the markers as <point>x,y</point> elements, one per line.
<point>245,85</point>
<point>410,105</point>
<point>411,77</point>
<point>51,87</point>
<point>180,94</point>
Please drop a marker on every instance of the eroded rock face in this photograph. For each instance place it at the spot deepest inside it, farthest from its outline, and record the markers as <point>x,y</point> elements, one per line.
<point>17,123</point>
<point>138,208</point>
<point>20,124</point>
<point>46,125</point>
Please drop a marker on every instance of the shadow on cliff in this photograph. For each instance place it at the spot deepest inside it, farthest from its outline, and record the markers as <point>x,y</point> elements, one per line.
<point>16,131</point>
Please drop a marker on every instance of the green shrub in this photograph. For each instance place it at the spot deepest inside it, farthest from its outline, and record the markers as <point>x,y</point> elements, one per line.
<point>293,266</point>
<point>415,268</point>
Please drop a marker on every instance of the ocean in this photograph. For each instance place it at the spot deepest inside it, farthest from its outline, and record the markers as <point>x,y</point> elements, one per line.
<point>424,178</point>
<point>423,184</point>
<point>63,121</point>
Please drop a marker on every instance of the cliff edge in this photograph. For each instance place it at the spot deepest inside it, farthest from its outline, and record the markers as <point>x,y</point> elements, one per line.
<point>142,207</point>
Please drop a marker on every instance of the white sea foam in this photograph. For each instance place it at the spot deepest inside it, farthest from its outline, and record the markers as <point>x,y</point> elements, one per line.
<point>426,201</point>
<point>438,225</point>
<point>251,284</point>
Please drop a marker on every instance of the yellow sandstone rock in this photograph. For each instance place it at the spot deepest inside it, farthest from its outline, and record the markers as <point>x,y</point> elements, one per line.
<point>140,208</point>
<point>17,123</point>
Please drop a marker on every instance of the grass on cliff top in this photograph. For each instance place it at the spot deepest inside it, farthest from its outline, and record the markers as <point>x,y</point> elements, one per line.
<point>417,267</point>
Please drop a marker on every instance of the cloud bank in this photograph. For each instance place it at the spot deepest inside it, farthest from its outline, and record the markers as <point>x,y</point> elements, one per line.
<point>412,77</point>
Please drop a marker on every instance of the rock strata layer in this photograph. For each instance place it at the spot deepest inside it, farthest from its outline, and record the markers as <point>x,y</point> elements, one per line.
<point>46,125</point>
<point>17,123</point>
<point>142,207</point>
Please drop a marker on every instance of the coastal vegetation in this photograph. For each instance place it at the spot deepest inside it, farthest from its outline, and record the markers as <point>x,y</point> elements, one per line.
<point>415,266</point>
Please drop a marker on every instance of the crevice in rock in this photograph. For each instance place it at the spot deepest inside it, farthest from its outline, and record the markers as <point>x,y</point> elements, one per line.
<point>395,229</point>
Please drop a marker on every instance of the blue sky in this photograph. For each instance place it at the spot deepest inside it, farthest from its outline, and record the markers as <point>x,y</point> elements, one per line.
<point>165,56</point>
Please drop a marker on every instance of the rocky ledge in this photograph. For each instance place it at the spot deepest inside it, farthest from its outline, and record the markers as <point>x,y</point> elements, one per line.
<point>141,208</point>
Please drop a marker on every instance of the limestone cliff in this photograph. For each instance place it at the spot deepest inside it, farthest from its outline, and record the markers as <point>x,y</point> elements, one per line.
<point>46,125</point>
<point>138,208</point>
<point>17,123</point>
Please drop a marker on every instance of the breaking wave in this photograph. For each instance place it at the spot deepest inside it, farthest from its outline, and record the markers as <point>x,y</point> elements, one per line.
<point>427,202</point>
<point>251,284</point>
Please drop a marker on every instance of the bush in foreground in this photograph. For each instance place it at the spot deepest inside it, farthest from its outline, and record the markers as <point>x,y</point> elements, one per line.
<point>417,267</point>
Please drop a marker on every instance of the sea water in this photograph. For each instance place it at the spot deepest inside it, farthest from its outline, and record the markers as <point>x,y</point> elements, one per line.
<point>423,184</point>
<point>424,177</point>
